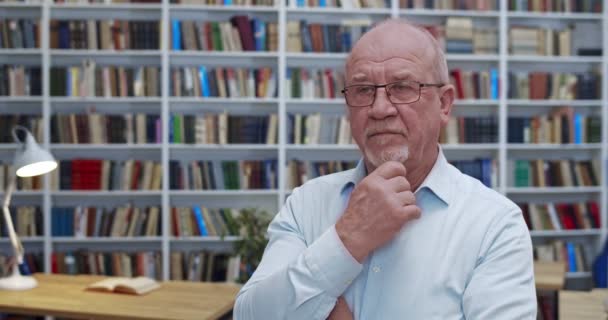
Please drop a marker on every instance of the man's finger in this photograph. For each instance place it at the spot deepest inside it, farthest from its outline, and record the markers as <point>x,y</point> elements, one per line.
<point>390,169</point>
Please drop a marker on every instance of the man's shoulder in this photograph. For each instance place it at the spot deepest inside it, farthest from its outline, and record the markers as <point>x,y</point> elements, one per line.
<point>329,182</point>
<point>475,192</point>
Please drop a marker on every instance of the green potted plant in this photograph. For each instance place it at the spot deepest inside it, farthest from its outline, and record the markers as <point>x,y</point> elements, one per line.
<point>252,224</point>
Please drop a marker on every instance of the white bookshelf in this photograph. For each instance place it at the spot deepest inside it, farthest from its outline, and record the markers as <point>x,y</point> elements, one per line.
<point>166,105</point>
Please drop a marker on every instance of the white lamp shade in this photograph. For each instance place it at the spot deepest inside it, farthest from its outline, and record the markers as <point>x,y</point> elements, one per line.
<point>31,160</point>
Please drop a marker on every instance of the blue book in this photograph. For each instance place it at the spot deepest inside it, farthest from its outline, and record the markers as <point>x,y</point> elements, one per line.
<point>306,39</point>
<point>202,74</point>
<point>326,46</point>
<point>493,84</point>
<point>322,3</point>
<point>571,257</point>
<point>301,3</point>
<point>346,38</point>
<point>171,128</point>
<point>200,221</point>
<point>259,34</point>
<point>177,35</point>
<point>227,2</point>
<point>578,128</point>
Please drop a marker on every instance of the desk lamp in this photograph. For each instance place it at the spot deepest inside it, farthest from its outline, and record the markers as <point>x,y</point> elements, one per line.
<point>30,160</point>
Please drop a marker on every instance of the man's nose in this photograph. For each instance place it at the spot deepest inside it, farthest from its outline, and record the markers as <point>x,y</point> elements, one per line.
<point>382,106</point>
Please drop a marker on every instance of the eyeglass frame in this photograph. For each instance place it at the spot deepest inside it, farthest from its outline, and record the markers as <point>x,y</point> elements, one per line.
<point>376,86</point>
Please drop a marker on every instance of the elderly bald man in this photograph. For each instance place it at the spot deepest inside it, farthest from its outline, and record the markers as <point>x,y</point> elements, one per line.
<point>404,235</point>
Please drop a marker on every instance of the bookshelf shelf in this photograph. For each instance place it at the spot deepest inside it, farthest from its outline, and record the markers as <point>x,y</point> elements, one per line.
<point>471,147</point>
<point>21,52</point>
<point>554,147</point>
<point>104,193</point>
<point>554,59</point>
<point>231,193</point>
<point>103,53</point>
<point>23,194</point>
<point>20,99</point>
<point>223,101</point>
<point>340,11</point>
<point>316,147</point>
<point>450,13</point>
<point>123,11</point>
<point>8,146</point>
<point>578,275</point>
<point>553,190</point>
<point>553,103</point>
<point>97,100</point>
<point>206,239</point>
<point>23,239</point>
<point>111,146</point>
<point>218,147</point>
<point>564,233</point>
<point>472,57</point>
<point>224,58</point>
<point>178,8</point>
<point>554,15</point>
<point>15,5</point>
<point>105,240</point>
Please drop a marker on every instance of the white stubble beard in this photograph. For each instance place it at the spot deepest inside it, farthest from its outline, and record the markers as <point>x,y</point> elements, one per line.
<point>400,155</point>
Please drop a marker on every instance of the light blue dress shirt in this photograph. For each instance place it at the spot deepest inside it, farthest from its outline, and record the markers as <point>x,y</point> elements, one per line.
<point>469,256</point>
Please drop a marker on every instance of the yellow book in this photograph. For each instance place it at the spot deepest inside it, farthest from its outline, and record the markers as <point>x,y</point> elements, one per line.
<point>137,286</point>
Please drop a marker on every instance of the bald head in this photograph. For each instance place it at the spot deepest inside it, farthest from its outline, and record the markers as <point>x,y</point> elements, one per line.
<point>396,37</point>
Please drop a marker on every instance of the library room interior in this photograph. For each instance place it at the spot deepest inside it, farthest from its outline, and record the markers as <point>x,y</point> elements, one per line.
<point>304,159</point>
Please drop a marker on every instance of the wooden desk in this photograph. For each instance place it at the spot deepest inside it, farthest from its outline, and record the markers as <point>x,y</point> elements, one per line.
<point>578,305</point>
<point>549,275</point>
<point>64,296</point>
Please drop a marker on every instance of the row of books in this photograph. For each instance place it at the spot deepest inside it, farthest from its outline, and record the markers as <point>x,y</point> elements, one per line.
<point>27,221</point>
<point>121,264</point>
<point>223,128</point>
<point>223,82</point>
<point>223,175</point>
<point>460,36</point>
<point>470,130</point>
<point>23,184</point>
<point>561,216</point>
<point>207,266</point>
<point>594,6</point>
<point>226,2</point>
<point>481,5</point>
<point>562,125</point>
<point>202,221</point>
<point>556,173</point>
<point>124,221</point>
<point>101,129</point>
<point>97,174</point>
<point>314,83</point>
<point>102,1</point>
<point>18,34</point>
<point>475,85</point>
<point>554,85</point>
<point>19,80</point>
<point>483,169</point>
<point>32,122</point>
<point>90,80</point>
<point>345,4</point>
<point>576,256</point>
<point>105,34</point>
<point>241,33</point>
<point>540,41</point>
<point>317,129</point>
<point>299,171</point>
<point>316,37</point>
<point>32,263</point>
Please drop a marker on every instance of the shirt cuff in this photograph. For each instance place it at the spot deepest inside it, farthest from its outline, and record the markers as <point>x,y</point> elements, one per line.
<point>329,258</point>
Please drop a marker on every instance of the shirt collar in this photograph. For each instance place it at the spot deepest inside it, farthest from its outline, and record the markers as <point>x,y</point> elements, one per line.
<point>437,180</point>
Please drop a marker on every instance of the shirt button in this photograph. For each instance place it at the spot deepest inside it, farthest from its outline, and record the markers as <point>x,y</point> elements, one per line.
<point>347,282</point>
<point>376,269</point>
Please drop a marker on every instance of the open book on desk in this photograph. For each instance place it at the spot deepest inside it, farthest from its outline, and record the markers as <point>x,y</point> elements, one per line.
<point>138,286</point>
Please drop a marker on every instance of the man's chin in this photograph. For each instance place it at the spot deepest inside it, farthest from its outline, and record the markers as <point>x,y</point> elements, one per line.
<point>380,157</point>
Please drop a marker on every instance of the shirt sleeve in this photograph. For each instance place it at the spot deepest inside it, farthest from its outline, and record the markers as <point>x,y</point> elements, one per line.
<point>502,284</point>
<point>295,280</point>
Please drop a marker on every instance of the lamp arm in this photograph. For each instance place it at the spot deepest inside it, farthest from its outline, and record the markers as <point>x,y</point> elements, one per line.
<point>15,242</point>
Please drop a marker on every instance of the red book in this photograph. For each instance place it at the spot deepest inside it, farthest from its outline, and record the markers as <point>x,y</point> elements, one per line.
<point>594,213</point>
<point>457,74</point>
<point>136,174</point>
<point>175,221</point>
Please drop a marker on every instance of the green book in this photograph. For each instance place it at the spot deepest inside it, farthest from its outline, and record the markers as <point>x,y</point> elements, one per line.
<point>216,36</point>
<point>522,173</point>
<point>177,128</point>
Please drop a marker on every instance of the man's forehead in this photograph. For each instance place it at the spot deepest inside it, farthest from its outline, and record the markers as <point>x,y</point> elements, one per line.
<point>397,67</point>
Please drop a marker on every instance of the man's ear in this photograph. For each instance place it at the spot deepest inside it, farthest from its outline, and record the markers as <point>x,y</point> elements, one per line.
<point>446,98</point>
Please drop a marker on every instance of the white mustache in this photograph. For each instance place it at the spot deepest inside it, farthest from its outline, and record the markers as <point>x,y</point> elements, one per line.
<point>374,131</point>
